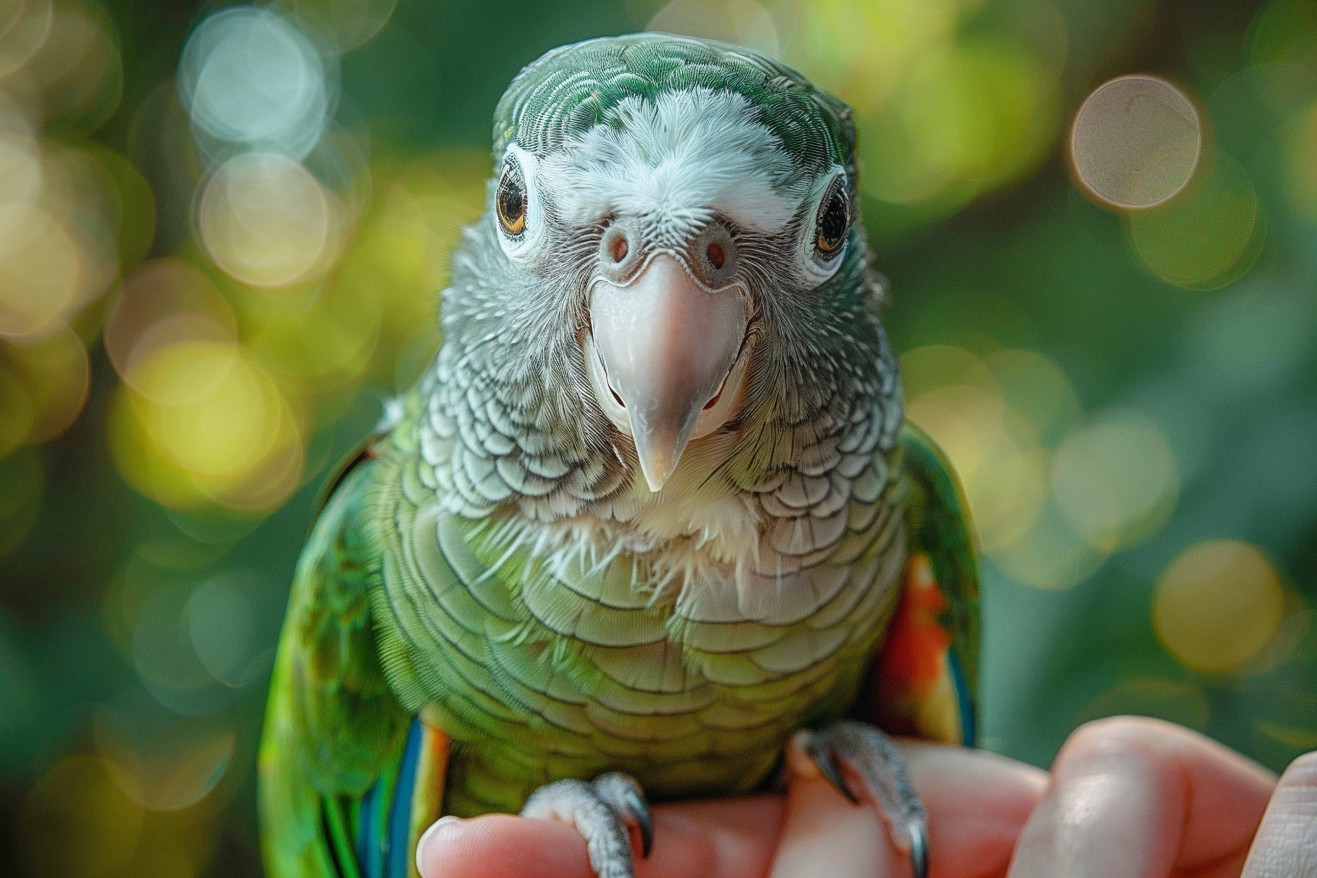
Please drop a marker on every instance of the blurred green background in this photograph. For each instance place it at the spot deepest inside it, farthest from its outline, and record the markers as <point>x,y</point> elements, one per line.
<point>218,261</point>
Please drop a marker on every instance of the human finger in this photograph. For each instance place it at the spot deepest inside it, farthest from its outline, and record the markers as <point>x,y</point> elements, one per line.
<point>1286,842</point>
<point>501,846</point>
<point>976,802</point>
<point>717,838</point>
<point>1143,798</point>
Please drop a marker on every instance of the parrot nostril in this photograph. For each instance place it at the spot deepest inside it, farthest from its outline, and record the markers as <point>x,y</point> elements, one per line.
<point>615,251</point>
<point>714,255</point>
<point>717,255</point>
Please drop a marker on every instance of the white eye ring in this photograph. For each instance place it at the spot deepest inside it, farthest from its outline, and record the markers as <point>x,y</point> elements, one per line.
<point>813,266</point>
<point>522,245</point>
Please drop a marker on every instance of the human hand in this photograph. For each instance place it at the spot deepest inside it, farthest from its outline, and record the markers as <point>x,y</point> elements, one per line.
<point>1126,797</point>
<point>977,803</point>
<point>1141,798</point>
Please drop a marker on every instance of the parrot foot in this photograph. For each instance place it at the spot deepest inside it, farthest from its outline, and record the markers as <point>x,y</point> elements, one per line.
<point>869,756</point>
<point>603,811</point>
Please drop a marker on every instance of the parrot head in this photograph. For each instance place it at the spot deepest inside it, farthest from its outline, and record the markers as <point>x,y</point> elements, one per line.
<point>672,258</point>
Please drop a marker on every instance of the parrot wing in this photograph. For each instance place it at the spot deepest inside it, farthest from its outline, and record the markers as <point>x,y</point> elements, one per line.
<point>925,676</point>
<point>340,761</point>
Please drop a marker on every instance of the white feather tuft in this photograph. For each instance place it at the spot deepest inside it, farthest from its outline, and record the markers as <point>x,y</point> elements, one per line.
<point>676,161</point>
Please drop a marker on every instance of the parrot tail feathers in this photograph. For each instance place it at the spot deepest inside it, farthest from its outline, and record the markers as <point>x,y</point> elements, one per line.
<point>401,805</point>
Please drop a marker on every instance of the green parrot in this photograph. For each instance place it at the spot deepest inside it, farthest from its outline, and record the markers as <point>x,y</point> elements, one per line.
<point>652,516</point>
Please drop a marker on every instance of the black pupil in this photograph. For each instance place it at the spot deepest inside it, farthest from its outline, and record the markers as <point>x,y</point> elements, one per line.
<point>510,199</point>
<point>832,222</point>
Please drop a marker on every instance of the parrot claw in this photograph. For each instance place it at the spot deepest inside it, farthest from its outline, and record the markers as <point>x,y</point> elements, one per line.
<point>871,756</point>
<point>918,847</point>
<point>603,811</point>
<point>625,796</point>
<point>826,760</point>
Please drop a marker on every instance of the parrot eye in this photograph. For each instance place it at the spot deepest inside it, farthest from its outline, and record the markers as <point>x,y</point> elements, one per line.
<point>510,201</point>
<point>833,221</point>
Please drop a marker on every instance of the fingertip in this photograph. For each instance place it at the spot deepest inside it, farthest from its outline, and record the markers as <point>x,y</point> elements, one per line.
<point>501,846</point>
<point>824,834</point>
<point>977,803</point>
<point>432,842</point>
<point>1284,844</point>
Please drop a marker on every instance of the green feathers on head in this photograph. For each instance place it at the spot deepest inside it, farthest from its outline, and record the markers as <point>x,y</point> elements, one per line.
<point>575,87</point>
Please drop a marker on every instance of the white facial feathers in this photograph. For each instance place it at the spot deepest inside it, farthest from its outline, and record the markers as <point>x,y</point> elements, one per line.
<point>676,161</point>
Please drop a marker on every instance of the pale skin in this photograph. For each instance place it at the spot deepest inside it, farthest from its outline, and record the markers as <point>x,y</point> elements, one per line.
<point>1126,796</point>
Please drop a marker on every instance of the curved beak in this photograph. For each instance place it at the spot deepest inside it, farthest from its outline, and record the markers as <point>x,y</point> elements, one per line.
<point>660,354</point>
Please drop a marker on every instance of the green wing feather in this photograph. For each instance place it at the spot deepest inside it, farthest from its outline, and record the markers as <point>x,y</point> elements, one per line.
<point>940,526</point>
<point>925,676</point>
<point>333,726</point>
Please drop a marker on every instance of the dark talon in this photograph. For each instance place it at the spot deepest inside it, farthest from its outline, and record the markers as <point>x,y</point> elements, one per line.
<point>826,760</point>
<point>646,832</point>
<point>867,755</point>
<point>638,808</point>
<point>624,795</point>
<point>918,849</point>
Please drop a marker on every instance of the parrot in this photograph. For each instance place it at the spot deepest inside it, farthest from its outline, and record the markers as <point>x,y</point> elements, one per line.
<point>652,520</point>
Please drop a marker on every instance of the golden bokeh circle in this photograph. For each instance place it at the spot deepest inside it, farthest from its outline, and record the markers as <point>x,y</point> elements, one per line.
<point>1218,605</point>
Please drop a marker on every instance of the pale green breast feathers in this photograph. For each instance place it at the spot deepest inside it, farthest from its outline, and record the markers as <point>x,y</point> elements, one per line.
<point>652,541</point>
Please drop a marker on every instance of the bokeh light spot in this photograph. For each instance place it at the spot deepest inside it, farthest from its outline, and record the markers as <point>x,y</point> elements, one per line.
<point>220,622</point>
<point>1006,496</point>
<point>79,70</point>
<point>1218,605</point>
<point>204,424</point>
<point>173,762</point>
<point>21,173</point>
<point>130,205</point>
<point>218,415</point>
<point>24,27</point>
<point>56,378</point>
<point>165,302</point>
<point>1136,141</point>
<point>249,76</point>
<point>1116,480</point>
<point>1050,555</point>
<point>860,50</point>
<point>184,373</point>
<point>964,116</point>
<point>165,661</point>
<point>41,271</point>
<point>267,221</point>
<point>1283,32</point>
<point>1038,389</point>
<point>1209,236</point>
<point>993,447</point>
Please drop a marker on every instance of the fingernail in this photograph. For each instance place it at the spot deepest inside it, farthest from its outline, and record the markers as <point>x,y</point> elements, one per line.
<point>448,825</point>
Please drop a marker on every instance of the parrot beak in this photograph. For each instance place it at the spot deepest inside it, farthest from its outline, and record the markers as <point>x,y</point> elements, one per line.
<point>665,360</point>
